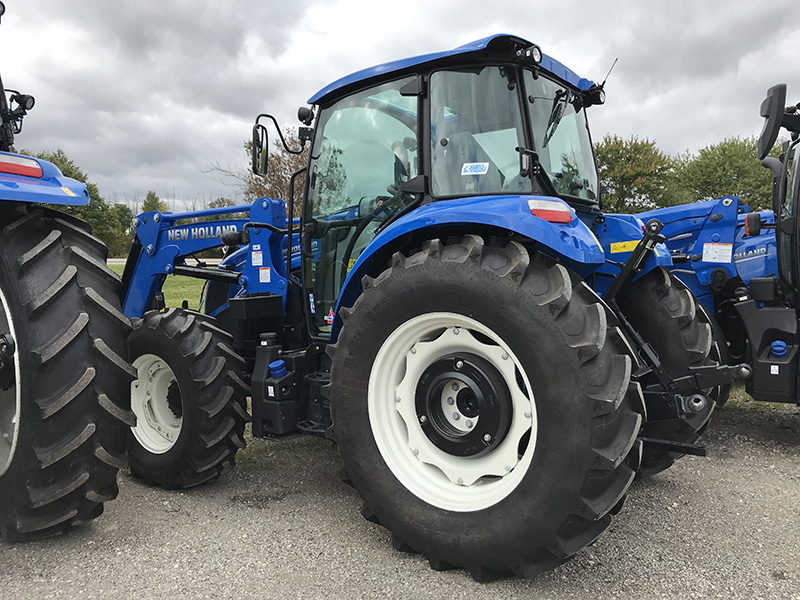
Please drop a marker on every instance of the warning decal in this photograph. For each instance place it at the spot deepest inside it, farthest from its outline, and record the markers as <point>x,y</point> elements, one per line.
<point>717,253</point>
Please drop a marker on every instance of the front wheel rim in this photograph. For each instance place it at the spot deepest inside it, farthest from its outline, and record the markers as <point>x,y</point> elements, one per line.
<point>157,424</point>
<point>445,480</point>
<point>10,399</point>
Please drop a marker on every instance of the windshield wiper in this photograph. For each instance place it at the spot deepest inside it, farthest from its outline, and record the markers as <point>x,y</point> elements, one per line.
<point>556,114</point>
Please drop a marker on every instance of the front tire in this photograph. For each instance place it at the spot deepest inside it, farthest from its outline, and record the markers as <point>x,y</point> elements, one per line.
<point>666,315</point>
<point>526,354</point>
<point>64,400</point>
<point>189,399</point>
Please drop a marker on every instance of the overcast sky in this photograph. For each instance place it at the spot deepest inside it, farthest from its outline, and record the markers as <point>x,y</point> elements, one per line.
<point>148,95</point>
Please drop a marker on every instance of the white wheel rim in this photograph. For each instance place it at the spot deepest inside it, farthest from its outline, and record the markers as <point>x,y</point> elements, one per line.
<point>10,399</point>
<point>157,427</point>
<point>449,482</point>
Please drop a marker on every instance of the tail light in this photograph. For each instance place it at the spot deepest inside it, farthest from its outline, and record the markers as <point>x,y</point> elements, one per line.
<point>553,211</point>
<point>19,165</point>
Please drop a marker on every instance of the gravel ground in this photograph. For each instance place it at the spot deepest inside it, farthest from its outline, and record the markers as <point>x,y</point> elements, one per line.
<point>281,525</point>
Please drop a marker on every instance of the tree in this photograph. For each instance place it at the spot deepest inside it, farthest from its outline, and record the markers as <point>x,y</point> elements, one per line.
<point>636,174</point>
<point>729,168</point>
<point>281,166</point>
<point>153,202</point>
<point>107,221</point>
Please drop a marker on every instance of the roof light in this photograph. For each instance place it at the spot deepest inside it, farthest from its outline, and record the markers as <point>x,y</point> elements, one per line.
<point>535,53</point>
<point>553,211</point>
<point>19,165</point>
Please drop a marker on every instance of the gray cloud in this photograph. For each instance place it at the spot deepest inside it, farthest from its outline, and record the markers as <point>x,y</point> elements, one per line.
<point>150,94</point>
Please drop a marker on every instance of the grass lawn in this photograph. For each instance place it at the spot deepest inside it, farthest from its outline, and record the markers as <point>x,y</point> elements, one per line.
<point>176,288</point>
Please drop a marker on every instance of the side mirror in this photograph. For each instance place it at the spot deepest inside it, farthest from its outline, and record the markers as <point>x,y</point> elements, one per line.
<point>772,110</point>
<point>260,150</point>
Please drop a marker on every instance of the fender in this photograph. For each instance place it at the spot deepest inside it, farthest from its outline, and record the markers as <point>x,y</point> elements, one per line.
<point>572,243</point>
<point>30,179</point>
<point>619,235</point>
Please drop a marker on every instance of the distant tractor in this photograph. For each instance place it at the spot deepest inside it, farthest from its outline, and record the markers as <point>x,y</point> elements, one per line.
<point>64,375</point>
<point>740,264</point>
<point>435,311</point>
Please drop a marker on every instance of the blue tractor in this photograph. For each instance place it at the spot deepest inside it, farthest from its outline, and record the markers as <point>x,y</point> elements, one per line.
<point>738,263</point>
<point>492,354</point>
<point>64,375</point>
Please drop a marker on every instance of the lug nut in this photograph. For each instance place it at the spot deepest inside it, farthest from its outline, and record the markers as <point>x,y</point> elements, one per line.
<point>456,416</point>
<point>468,423</point>
<point>451,401</point>
<point>487,438</point>
<point>423,419</point>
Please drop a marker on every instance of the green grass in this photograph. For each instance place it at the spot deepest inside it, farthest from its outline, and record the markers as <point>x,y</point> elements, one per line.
<point>176,288</point>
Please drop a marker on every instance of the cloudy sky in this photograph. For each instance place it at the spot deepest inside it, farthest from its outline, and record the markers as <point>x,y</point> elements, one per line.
<point>150,94</point>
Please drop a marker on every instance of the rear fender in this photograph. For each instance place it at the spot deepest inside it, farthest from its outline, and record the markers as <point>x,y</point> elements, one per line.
<point>571,243</point>
<point>52,187</point>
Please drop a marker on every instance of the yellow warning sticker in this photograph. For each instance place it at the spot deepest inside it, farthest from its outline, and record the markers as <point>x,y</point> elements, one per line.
<point>68,191</point>
<point>350,264</point>
<point>617,247</point>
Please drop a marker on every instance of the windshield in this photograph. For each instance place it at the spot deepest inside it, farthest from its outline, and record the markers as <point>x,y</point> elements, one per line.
<point>561,135</point>
<point>364,149</point>
<point>476,126</point>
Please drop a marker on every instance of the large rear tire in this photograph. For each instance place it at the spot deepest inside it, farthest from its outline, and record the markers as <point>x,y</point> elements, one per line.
<point>64,402</point>
<point>189,399</point>
<point>483,407</point>
<point>666,315</point>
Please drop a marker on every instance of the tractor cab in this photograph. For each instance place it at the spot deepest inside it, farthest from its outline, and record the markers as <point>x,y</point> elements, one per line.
<point>490,119</point>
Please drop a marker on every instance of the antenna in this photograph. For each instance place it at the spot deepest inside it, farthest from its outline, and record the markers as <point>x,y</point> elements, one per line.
<point>609,71</point>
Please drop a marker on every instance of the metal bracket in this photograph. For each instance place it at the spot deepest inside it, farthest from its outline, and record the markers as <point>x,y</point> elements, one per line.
<point>670,446</point>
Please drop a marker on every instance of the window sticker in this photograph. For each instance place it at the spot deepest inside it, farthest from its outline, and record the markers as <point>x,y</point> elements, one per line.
<point>481,168</point>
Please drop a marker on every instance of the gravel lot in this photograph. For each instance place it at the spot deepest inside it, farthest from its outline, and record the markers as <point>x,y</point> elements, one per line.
<point>281,525</point>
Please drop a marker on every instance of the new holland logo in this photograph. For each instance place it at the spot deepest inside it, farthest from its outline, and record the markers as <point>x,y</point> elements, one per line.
<point>739,256</point>
<point>202,232</point>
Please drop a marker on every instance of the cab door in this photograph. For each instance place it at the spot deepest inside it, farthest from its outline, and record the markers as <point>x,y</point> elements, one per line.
<point>365,148</point>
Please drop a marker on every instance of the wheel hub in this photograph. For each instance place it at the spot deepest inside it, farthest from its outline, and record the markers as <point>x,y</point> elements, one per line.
<point>452,411</point>
<point>463,404</point>
<point>156,402</point>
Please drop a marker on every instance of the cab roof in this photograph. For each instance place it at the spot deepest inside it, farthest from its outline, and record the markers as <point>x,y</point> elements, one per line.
<point>500,42</point>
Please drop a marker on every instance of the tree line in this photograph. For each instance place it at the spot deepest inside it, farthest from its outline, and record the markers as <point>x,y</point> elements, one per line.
<point>635,174</point>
